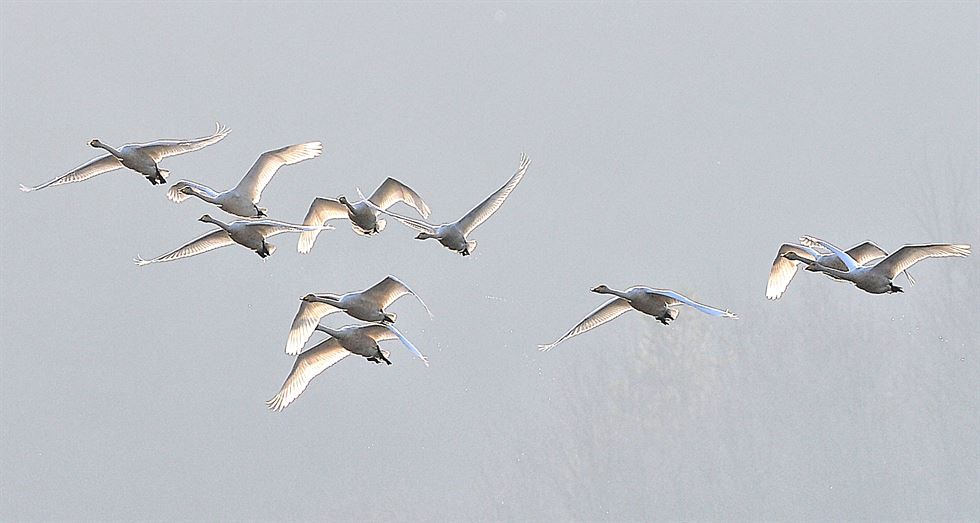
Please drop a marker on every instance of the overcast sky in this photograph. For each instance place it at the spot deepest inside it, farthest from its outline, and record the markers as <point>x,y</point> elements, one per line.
<point>674,145</point>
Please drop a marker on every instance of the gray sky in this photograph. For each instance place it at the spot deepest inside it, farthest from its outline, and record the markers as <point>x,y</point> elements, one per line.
<point>673,145</point>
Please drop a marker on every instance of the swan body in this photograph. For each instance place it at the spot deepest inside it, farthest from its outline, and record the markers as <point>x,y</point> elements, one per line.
<point>243,199</point>
<point>360,340</point>
<point>659,303</point>
<point>783,268</point>
<point>248,233</point>
<point>140,157</point>
<point>366,305</point>
<point>453,235</point>
<point>364,217</point>
<point>878,278</point>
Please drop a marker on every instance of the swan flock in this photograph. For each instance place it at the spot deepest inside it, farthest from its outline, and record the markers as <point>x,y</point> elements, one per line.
<point>865,265</point>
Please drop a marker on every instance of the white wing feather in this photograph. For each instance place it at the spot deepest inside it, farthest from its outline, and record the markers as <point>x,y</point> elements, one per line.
<point>269,162</point>
<point>485,210</point>
<point>308,365</point>
<point>605,313</point>
<point>209,242</point>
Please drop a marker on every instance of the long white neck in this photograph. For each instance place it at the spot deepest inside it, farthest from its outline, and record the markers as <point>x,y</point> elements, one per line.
<point>841,275</point>
<point>209,219</point>
<point>202,195</point>
<point>329,299</point>
<point>112,151</point>
<point>614,292</point>
<point>328,330</point>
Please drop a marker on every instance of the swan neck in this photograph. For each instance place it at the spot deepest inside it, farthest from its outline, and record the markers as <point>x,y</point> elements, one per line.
<point>196,192</point>
<point>328,330</point>
<point>112,151</point>
<point>844,275</point>
<point>216,222</point>
<point>614,292</point>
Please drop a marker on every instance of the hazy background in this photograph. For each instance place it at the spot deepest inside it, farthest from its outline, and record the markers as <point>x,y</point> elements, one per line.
<point>673,145</point>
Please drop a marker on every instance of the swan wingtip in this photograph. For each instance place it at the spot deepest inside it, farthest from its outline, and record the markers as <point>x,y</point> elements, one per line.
<point>26,188</point>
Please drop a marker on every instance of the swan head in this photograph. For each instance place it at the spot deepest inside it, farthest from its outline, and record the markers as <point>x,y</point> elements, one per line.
<point>95,143</point>
<point>206,219</point>
<point>601,289</point>
<point>342,199</point>
<point>309,297</point>
<point>795,257</point>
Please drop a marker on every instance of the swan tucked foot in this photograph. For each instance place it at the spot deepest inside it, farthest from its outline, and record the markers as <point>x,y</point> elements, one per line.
<point>465,252</point>
<point>159,177</point>
<point>378,359</point>
<point>894,288</point>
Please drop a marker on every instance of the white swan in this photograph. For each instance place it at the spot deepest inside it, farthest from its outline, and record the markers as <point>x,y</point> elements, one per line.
<point>783,268</point>
<point>877,278</point>
<point>367,305</point>
<point>658,303</point>
<point>249,233</point>
<point>360,340</point>
<point>364,218</point>
<point>242,198</point>
<point>453,235</point>
<point>140,157</point>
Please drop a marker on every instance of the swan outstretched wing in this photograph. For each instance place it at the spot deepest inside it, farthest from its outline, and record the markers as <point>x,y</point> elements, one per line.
<point>392,191</point>
<point>865,252</point>
<point>176,195</point>
<point>605,313</point>
<point>321,211</point>
<point>307,317</point>
<point>783,269</point>
<point>385,292</point>
<point>308,365</point>
<point>94,167</point>
<point>418,225</point>
<point>161,149</point>
<point>381,332</point>
<point>909,255</point>
<point>209,242</point>
<point>269,162</point>
<point>845,258</point>
<point>273,227</point>
<point>485,210</point>
<point>676,298</point>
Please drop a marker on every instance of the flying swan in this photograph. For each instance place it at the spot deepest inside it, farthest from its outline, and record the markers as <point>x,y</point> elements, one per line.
<point>877,278</point>
<point>453,235</point>
<point>248,233</point>
<point>367,305</point>
<point>363,216</point>
<point>243,198</point>
<point>140,157</point>
<point>783,268</point>
<point>659,303</point>
<point>352,339</point>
